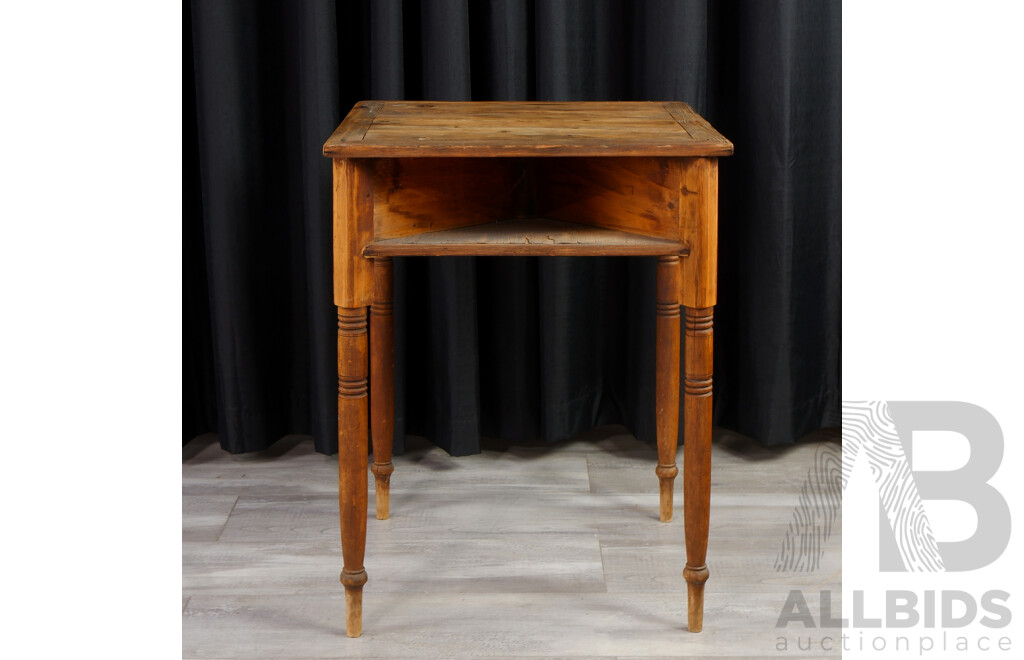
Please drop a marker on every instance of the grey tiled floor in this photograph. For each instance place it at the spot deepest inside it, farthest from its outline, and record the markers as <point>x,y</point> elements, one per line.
<point>552,551</point>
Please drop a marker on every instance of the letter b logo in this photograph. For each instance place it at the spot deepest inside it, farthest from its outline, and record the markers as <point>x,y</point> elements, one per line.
<point>883,431</point>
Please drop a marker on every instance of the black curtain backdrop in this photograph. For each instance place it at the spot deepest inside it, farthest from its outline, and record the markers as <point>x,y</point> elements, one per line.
<point>517,348</point>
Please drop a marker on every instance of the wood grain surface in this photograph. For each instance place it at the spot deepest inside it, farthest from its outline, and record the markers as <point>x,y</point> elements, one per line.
<point>698,225</point>
<point>353,228</point>
<point>375,129</point>
<point>413,195</point>
<point>635,194</point>
<point>535,237</point>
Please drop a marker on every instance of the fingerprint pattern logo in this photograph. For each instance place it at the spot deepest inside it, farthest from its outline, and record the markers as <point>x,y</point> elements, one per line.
<point>816,514</point>
<point>868,428</point>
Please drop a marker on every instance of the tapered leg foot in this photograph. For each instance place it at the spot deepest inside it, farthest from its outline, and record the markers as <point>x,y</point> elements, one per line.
<point>382,482</point>
<point>695,579</point>
<point>666,478</point>
<point>353,602</point>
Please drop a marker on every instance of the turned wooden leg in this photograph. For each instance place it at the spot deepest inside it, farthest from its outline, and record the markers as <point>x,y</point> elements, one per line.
<point>352,433</point>
<point>382,381</point>
<point>697,456</point>
<point>666,385</point>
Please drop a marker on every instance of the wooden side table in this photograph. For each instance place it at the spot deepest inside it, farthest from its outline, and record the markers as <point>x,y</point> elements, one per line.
<point>542,179</point>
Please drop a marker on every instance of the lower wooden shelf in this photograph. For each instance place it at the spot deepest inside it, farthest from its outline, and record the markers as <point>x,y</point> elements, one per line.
<point>526,237</point>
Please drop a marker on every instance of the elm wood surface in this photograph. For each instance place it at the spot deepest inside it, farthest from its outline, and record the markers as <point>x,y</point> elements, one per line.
<point>353,229</point>
<point>698,228</point>
<point>405,129</point>
<point>536,237</point>
<point>416,195</point>
<point>636,195</point>
<point>633,194</point>
<point>568,179</point>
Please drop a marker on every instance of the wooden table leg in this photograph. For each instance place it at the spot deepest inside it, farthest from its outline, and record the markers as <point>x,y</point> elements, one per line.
<point>352,436</point>
<point>382,381</point>
<point>666,384</point>
<point>697,456</point>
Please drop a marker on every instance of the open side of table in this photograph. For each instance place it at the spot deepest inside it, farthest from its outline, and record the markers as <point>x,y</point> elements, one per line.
<point>517,179</point>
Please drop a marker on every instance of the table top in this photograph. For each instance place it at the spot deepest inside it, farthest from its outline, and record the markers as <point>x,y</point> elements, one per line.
<point>402,129</point>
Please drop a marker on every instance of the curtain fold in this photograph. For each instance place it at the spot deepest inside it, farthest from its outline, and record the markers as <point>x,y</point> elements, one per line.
<point>518,348</point>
